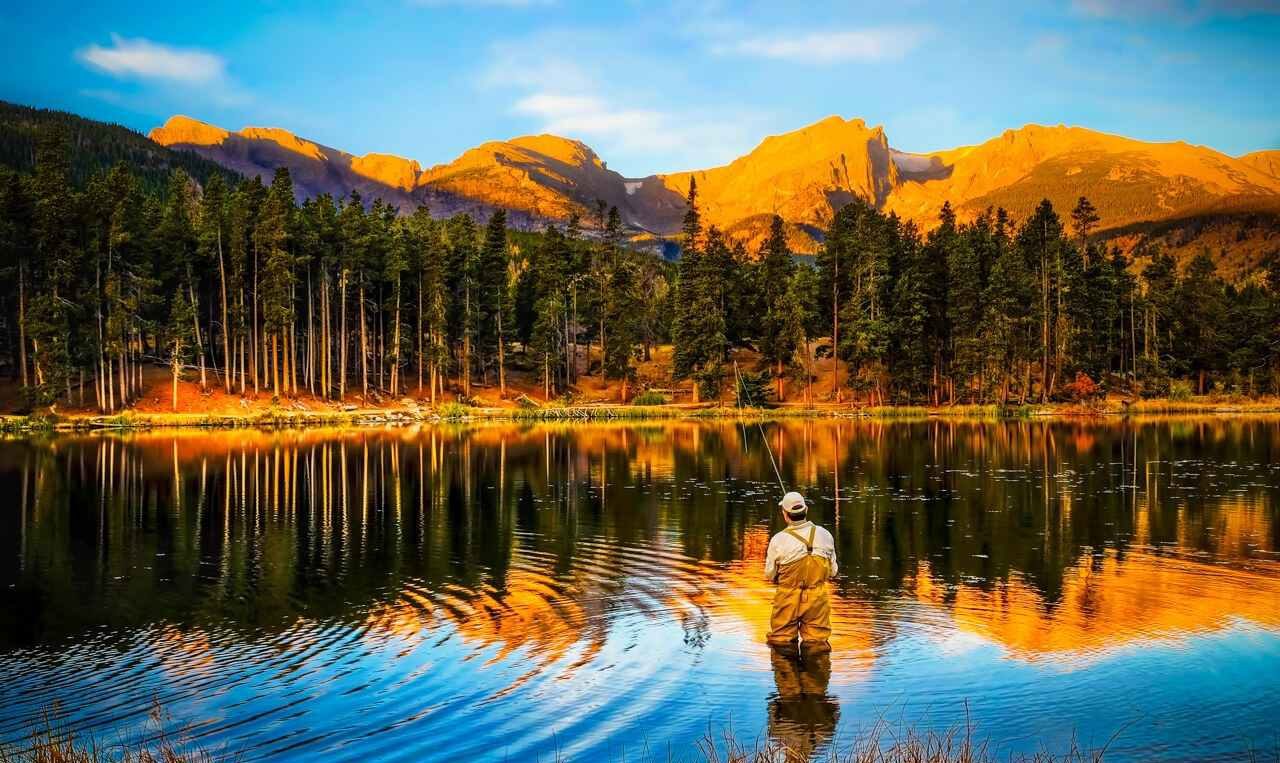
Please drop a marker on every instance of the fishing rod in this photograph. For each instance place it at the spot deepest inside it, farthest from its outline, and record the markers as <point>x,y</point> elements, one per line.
<point>742,389</point>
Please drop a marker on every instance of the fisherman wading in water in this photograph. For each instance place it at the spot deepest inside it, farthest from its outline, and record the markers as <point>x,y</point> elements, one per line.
<point>801,559</point>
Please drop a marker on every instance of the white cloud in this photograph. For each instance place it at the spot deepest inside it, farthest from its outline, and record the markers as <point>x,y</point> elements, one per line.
<point>626,130</point>
<point>569,83</point>
<point>144,59</point>
<point>868,45</point>
<point>585,115</point>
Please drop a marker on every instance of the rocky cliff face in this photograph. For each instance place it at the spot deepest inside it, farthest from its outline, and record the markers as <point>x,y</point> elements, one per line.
<point>1267,162</point>
<point>1127,180</point>
<point>804,176</point>
<point>315,169</point>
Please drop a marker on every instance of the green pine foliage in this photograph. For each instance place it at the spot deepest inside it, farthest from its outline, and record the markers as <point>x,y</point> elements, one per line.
<point>95,147</point>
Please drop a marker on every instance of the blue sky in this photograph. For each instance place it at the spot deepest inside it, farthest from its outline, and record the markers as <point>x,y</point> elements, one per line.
<point>655,86</point>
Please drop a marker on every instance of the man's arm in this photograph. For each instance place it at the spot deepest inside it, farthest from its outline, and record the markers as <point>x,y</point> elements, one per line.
<point>771,561</point>
<point>835,566</point>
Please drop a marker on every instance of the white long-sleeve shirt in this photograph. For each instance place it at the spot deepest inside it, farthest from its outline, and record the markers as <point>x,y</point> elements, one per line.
<point>785,548</point>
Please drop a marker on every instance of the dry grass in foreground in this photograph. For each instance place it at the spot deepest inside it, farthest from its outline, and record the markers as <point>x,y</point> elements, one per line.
<point>53,740</point>
<point>881,744</point>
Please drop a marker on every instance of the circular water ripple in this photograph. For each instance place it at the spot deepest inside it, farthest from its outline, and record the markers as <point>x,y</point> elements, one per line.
<point>508,616</point>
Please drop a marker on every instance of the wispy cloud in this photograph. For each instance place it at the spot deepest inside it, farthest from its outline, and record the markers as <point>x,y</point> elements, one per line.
<point>144,59</point>
<point>555,85</point>
<point>1181,10</point>
<point>161,73</point>
<point>829,47</point>
<point>621,129</point>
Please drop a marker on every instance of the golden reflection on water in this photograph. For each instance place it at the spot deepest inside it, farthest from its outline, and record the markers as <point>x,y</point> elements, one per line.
<point>1062,539</point>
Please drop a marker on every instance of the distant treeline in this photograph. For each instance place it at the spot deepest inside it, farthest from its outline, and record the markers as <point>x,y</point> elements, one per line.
<point>258,293</point>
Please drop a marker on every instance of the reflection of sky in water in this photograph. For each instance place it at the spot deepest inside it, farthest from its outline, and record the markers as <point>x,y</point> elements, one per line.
<point>438,594</point>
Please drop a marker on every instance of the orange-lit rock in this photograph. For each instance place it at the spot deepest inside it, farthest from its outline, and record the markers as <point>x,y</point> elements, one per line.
<point>1264,161</point>
<point>180,130</point>
<point>804,176</point>
<point>393,171</point>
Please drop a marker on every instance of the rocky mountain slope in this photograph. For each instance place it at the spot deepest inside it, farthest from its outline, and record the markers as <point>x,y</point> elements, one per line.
<point>804,176</point>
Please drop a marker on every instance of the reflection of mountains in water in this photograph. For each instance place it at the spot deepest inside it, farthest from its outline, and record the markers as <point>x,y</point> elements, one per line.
<point>1041,537</point>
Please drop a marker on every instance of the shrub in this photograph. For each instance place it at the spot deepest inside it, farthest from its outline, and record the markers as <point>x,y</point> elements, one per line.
<point>649,397</point>
<point>454,411</point>
<point>1180,391</point>
<point>1082,387</point>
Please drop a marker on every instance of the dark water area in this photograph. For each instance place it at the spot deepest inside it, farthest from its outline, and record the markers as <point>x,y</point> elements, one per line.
<point>507,592</point>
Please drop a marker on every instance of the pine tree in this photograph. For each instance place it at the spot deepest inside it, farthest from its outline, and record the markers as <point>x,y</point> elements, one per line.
<point>698,328</point>
<point>213,235</point>
<point>492,297</point>
<point>1042,245</point>
<point>1084,218</point>
<point>50,308</point>
<point>803,320</point>
<point>179,331</point>
<point>778,336</point>
<point>965,307</point>
<point>463,272</point>
<point>548,340</point>
<point>273,237</point>
<point>1008,324</point>
<point>1202,314</point>
<point>1160,279</point>
<point>624,312</point>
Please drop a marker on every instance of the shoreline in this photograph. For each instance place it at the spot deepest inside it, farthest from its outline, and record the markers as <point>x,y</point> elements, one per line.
<point>277,417</point>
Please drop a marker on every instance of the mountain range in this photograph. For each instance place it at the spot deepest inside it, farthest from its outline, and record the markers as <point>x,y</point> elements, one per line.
<point>1141,189</point>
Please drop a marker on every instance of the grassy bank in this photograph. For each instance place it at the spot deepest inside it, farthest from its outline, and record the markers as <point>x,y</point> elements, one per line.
<point>275,417</point>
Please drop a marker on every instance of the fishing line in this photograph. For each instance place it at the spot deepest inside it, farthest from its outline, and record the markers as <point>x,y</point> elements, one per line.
<point>742,389</point>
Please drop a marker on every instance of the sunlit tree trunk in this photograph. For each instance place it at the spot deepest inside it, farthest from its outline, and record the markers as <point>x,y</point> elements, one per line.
<point>364,348</point>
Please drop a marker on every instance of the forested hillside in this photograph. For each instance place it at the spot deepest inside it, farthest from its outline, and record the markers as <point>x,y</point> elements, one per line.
<point>94,147</point>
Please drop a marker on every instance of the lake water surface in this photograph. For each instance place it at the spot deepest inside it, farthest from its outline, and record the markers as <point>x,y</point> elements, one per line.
<point>507,592</point>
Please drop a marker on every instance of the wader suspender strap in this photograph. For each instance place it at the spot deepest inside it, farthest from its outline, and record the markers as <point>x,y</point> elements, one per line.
<point>808,544</point>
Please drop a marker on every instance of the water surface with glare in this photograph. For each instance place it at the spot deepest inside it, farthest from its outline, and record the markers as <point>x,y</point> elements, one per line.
<point>504,592</point>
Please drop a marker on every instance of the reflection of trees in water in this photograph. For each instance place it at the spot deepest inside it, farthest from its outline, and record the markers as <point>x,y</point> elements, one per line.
<point>513,529</point>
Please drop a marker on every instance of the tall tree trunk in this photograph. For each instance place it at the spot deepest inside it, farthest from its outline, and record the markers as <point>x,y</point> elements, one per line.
<point>419,335</point>
<point>395,344</point>
<point>275,363</point>
<point>466,343</point>
<point>102,351</point>
<point>253,329</point>
<point>22,321</point>
<point>325,381</point>
<point>227,363</point>
<point>502,362</point>
<point>309,367</point>
<point>195,320</point>
<point>342,337</point>
<point>835,326</point>
<point>364,349</point>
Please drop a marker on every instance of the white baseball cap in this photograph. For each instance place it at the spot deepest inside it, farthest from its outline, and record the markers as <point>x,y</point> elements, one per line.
<point>793,503</point>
